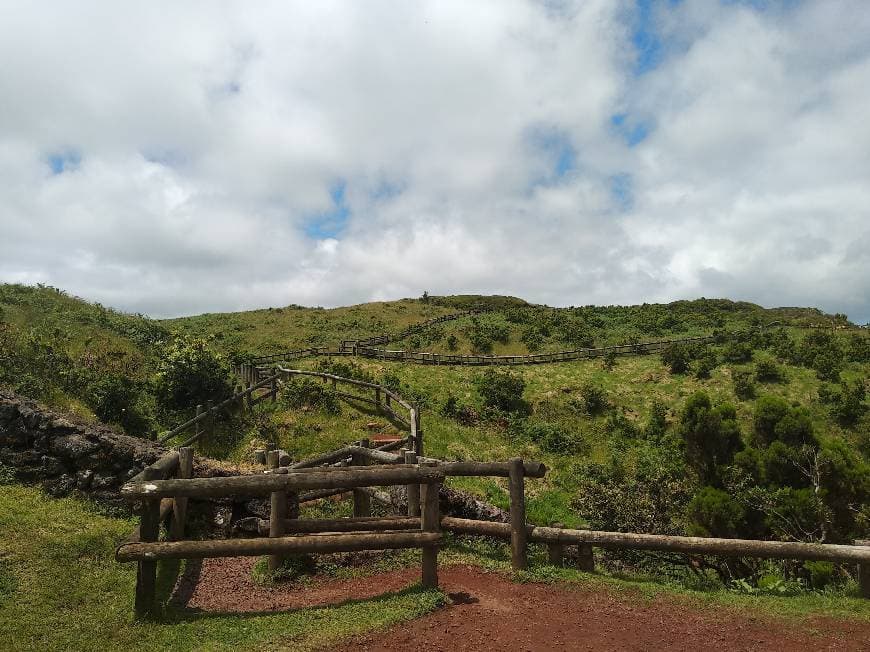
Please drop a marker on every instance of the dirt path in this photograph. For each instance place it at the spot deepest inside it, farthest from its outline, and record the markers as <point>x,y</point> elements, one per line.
<point>490,612</point>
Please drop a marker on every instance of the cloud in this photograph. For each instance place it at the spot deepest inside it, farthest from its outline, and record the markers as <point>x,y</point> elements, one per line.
<point>174,158</point>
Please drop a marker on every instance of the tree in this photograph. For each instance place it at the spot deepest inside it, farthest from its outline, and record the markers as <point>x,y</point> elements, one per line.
<point>425,297</point>
<point>502,390</point>
<point>189,373</point>
<point>711,436</point>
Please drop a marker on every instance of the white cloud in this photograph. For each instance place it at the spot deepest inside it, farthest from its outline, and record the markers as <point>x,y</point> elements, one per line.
<point>210,136</point>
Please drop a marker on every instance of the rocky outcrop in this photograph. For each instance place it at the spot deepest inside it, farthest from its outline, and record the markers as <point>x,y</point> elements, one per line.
<point>41,446</point>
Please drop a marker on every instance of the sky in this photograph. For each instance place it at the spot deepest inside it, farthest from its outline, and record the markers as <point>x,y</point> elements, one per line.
<point>174,158</point>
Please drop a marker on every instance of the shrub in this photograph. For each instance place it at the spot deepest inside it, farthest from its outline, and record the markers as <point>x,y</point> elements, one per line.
<point>117,399</point>
<point>594,398</point>
<point>744,387</point>
<point>848,405</point>
<point>714,513</point>
<point>711,436</point>
<point>452,342</point>
<point>738,352</point>
<point>308,393</point>
<point>609,361</point>
<point>551,437</point>
<point>767,371</point>
<point>532,338</point>
<point>677,357</point>
<point>189,373</point>
<point>502,390</point>
<point>706,363</point>
<point>775,420</point>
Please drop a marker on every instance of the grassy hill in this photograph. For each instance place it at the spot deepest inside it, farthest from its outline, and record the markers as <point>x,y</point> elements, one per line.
<point>776,445</point>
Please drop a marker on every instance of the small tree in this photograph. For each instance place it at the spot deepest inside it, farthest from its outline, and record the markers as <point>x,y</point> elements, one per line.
<point>502,390</point>
<point>189,372</point>
<point>711,436</point>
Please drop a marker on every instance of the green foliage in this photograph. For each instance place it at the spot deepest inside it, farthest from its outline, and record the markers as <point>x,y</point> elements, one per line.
<point>714,513</point>
<point>767,371</point>
<point>452,342</point>
<point>609,361</point>
<point>744,387</point>
<point>737,352</point>
<point>532,338</point>
<point>484,330</point>
<point>594,398</point>
<point>823,352</point>
<point>190,373</point>
<point>502,391</point>
<point>706,363</point>
<point>676,357</point>
<point>122,400</point>
<point>711,436</point>
<point>311,394</point>
<point>551,437</point>
<point>775,420</point>
<point>846,401</point>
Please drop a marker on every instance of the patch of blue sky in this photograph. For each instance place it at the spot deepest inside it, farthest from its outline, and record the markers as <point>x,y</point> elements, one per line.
<point>63,161</point>
<point>766,5</point>
<point>631,131</point>
<point>387,190</point>
<point>622,191</point>
<point>332,223</point>
<point>557,149</point>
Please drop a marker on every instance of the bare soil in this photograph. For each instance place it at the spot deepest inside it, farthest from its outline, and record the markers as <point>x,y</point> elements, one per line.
<point>488,611</point>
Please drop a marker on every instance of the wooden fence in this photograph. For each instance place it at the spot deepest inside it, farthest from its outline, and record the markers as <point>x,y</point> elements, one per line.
<point>421,526</point>
<point>349,347</point>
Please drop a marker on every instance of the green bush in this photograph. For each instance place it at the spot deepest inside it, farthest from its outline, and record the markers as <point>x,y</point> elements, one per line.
<point>552,437</point>
<point>711,436</point>
<point>532,338</point>
<point>767,371</point>
<point>190,373</point>
<point>714,513</point>
<point>705,364</point>
<point>744,387</point>
<point>119,399</point>
<point>502,391</point>
<point>677,357</point>
<point>737,352</point>
<point>308,393</point>
<point>594,398</point>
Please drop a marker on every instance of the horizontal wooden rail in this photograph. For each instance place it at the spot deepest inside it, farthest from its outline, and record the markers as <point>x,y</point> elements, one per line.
<point>259,485</point>
<point>322,543</point>
<point>531,469</point>
<point>164,466</point>
<point>666,543</point>
<point>358,524</point>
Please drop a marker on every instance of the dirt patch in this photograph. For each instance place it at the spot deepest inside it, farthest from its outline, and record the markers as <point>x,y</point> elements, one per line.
<point>488,611</point>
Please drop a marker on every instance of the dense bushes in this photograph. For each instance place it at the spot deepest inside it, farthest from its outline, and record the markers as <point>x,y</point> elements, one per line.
<point>311,394</point>
<point>502,390</point>
<point>189,372</point>
<point>710,435</point>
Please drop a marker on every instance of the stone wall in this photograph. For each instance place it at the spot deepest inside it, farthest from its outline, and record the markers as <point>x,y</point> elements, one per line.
<point>41,446</point>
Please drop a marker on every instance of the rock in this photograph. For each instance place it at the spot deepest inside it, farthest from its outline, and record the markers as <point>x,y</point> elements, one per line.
<point>260,456</point>
<point>84,479</point>
<point>99,482</point>
<point>72,446</point>
<point>52,466</point>
<point>284,458</point>
<point>61,486</point>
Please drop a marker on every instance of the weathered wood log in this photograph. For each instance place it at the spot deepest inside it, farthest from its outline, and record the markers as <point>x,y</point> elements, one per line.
<point>668,543</point>
<point>277,511</point>
<point>519,536</point>
<point>556,551</point>
<point>368,524</point>
<point>179,511</point>
<point>262,484</point>
<point>413,489</point>
<point>146,573</point>
<point>309,496</point>
<point>491,469</point>
<point>317,543</point>
<point>164,466</point>
<point>430,524</point>
<point>863,572</point>
<point>362,505</point>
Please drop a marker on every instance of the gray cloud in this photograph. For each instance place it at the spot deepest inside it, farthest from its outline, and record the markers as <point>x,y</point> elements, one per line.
<point>474,142</point>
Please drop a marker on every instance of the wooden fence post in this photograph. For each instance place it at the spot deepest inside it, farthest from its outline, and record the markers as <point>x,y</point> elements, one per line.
<point>273,390</point>
<point>863,572</point>
<point>556,551</point>
<point>430,521</point>
<point>198,427</point>
<point>277,512</point>
<point>362,504</point>
<point>211,420</point>
<point>146,572</point>
<point>519,536</point>
<point>413,490</point>
<point>179,508</point>
<point>585,557</point>
<point>378,398</point>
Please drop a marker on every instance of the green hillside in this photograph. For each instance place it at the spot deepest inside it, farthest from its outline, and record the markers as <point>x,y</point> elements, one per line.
<point>763,434</point>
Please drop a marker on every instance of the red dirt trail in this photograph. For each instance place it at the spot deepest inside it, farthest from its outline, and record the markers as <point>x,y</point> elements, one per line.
<point>490,612</point>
